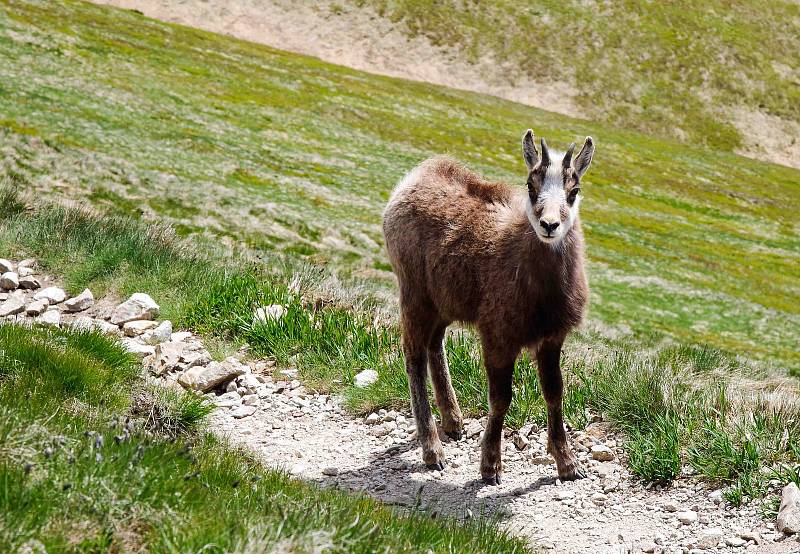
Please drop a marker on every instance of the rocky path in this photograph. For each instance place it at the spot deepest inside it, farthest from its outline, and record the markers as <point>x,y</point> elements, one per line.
<point>269,411</point>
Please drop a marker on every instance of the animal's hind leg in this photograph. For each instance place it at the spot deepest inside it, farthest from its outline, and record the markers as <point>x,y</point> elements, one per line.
<point>452,420</point>
<point>417,331</point>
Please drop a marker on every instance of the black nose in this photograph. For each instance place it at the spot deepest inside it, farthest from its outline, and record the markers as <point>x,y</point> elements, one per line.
<point>548,227</point>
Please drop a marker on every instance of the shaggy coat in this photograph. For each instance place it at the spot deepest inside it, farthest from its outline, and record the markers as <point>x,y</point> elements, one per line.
<point>465,250</point>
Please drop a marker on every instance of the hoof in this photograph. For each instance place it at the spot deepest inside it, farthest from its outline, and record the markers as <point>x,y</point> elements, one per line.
<point>436,466</point>
<point>573,474</point>
<point>492,479</point>
<point>454,435</point>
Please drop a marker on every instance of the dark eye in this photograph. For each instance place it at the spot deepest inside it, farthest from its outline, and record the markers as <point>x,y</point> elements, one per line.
<point>573,194</point>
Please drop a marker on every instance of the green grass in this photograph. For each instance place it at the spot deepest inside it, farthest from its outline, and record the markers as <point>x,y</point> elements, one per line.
<point>89,464</point>
<point>251,149</point>
<point>677,69</point>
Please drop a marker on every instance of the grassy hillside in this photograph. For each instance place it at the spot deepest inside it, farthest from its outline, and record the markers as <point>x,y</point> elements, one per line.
<point>240,145</point>
<point>682,69</point>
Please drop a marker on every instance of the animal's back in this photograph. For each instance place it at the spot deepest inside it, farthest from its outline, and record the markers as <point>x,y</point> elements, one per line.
<point>440,220</point>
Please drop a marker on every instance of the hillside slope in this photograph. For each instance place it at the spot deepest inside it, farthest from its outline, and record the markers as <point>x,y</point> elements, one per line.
<point>722,74</point>
<point>284,155</point>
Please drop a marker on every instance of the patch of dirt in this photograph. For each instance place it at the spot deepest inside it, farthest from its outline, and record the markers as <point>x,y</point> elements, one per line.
<point>360,39</point>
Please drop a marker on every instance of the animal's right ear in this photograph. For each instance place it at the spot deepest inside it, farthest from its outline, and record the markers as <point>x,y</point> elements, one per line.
<point>529,151</point>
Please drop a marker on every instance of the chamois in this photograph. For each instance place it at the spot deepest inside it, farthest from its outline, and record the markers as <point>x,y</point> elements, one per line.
<point>508,260</point>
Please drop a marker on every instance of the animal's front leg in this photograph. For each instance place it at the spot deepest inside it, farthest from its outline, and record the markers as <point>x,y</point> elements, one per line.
<point>499,377</point>
<point>548,358</point>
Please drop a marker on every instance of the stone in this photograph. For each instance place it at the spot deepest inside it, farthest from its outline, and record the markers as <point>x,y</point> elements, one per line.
<point>29,282</point>
<point>602,453</point>
<point>599,498</point>
<point>735,542</point>
<point>37,307</point>
<point>161,333</point>
<point>180,336</point>
<point>9,281</point>
<point>751,536</point>
<point>243,411</point>
<point>372,419</point>
<point>789,513</point>
<point>709,538</point>
<point>366,378</point>
<point>135,347</point>
<point>250,400</point>
<point>6,266</point>
<point>139,306</point>
<point>565,494</point>
<point>206,378</point>
<point>687,517</point>
<point>671,506</point>
<point>23,271</point>
<point>81,302</point>
<point>716,496</point>
<point>473,429</point>
<point>27,262</point>
<point>13,305</point>
<point>54,295</point>
<point>520,442</point>
<point>178,355</point>
<point>228,400</point>
<point>330,471</point>
<point>139,327</point>
<point>50,317</point>
<point>272,312</point>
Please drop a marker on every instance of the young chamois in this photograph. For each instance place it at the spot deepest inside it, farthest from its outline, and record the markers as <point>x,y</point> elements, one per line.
<point>506,259</point>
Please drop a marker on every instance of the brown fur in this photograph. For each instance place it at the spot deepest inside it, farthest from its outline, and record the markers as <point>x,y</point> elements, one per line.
<point>463,250</point>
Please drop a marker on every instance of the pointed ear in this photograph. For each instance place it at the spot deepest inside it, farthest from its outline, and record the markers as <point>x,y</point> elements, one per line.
<point>529,151</point>
<point>584,157</point>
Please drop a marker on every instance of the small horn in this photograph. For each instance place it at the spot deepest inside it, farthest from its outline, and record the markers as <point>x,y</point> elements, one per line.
<point>567,163</point>
<point>545,161</point>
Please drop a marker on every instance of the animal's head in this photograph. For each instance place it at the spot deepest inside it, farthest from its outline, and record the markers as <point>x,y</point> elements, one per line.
<point>554,180</point>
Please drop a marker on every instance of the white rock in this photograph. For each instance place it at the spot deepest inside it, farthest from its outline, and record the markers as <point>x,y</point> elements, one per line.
<point>789,513</point>
<point>161,333</point>
<point>81,302</point>
<point>86,323</point>
<point>9,280</point>
<point>330,471</point>
<point>243,411</point>
<point>138,306</point>
<point>13,305</point>
<point>5,265</point>
<point>206,378</point>
<point>716,496</point>
<point>53,294</point>
<point>250,400</point>
<point>228,400</point>
<point>735,542</point>
<point>366,378</point>
<point>37,307</point>
<point>565,494</point>
<point>139,327</point>
<point>50,317</point>
<point>602,453</point>
<point>473,429</point>
<point>29,282</point>
<point>372,419</point>
<point>23,271</point>
<point>135,347</point>
<point>709,538</point>
<point>520,442</point>
<point>268,313</point>
<point>687,517</point>
<point>180,336</point>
